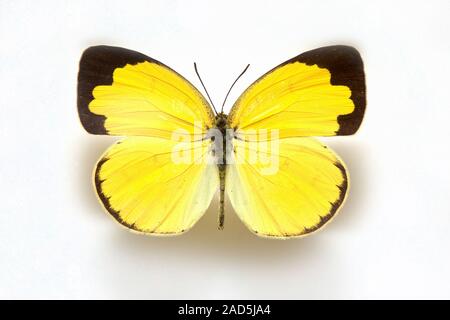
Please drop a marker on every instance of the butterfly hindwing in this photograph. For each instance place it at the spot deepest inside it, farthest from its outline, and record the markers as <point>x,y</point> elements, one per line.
<point>146,189</point>
<point>123,92</point>
<point>289,190</point>
<point>318,93</point>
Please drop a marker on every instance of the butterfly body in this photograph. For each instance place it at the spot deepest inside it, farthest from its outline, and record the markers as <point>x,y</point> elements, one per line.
<point>280,180</point>
<point>221,143</point>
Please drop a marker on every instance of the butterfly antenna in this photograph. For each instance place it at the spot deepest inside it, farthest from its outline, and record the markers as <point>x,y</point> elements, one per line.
<point>198,75</point>
<point>225,100</point>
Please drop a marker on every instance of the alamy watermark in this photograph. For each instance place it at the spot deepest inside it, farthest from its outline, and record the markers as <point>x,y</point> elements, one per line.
<point>258,148</point>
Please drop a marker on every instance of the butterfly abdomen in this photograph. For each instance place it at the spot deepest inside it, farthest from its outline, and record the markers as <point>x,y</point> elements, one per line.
<point>221,126</point>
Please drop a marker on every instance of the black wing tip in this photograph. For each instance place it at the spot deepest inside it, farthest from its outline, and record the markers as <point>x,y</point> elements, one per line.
<point>329,55</point>
<point>346,68</point>
<point>92,123</point>
<point>96,67</point>
<point>350,123</point>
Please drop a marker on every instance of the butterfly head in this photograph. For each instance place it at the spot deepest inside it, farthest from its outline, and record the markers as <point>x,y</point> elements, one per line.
<point>221,120</point>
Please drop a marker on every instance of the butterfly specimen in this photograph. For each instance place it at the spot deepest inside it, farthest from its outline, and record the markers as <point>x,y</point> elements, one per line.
<point>178,150</point>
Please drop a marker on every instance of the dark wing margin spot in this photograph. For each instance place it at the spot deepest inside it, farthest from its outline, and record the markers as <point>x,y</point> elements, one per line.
<point>333,209</point>
<point>113,212</point>
<point>97,65</point>
<point>334,205</point>
<point>346,68</point>
<point>104,199</point>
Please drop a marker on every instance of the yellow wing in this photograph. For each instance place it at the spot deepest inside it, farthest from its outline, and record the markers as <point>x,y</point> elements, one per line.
<point>318,93</point>
<point>148,187</point>
<point>289,187</point>
<point>123,92</point>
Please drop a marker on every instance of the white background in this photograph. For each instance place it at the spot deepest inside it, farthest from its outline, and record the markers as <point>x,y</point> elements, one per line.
<point>392,237</point>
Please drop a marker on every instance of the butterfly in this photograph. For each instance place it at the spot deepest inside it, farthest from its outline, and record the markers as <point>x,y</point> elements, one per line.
<point>178,150</point>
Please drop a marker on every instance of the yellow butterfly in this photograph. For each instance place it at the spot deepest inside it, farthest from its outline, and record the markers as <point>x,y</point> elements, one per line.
<point>178,151</point>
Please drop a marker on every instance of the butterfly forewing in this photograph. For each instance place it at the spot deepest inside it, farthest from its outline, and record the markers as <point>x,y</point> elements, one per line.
<point>123,92</point>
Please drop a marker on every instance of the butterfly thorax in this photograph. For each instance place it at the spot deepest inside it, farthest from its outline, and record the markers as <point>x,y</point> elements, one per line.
<point>220,145</point>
